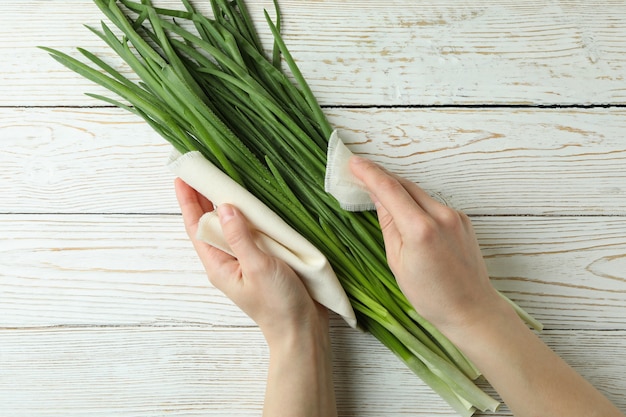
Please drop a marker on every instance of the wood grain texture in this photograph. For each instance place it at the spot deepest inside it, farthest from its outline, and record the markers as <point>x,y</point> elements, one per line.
<point>133,270</point>
<point>104,307</point>
<point>372,53</point>
<point>188,371</point>
<point>481,161</point>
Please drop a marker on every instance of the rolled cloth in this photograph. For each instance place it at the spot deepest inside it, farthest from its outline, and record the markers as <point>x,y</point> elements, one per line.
<point>271,233</point>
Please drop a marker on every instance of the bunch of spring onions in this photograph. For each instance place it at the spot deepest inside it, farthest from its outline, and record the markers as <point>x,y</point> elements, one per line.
<point>206,84</point>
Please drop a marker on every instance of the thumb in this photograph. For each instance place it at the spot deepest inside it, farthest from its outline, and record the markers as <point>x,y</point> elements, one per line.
<point>372,175</point>
<point>239,237</point>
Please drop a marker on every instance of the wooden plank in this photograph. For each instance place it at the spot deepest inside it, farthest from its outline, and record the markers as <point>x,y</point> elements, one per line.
<point>221,371</point>
<point>372,53</point>
<point>100,270</point>
<point>501,161</point>
<point>482,161</point>
<point>132,270</point>
<point>564,270</point>
<point>83,160</point>
<point>103,311</point>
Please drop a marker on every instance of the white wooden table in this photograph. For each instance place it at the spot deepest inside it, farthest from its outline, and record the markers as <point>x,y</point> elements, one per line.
<point>515,112</point>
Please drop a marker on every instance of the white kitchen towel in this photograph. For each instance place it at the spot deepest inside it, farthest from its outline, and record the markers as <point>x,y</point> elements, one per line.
<point>273,234</point>
<point>341,183</point>
<point>349,191</point>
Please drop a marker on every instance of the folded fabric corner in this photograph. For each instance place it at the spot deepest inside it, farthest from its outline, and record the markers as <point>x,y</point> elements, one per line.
<point>273,235</point>
<point>339,181</point>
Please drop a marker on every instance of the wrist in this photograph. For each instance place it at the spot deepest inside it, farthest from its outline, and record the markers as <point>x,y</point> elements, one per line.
<point>300,373</point>
<point>299,334</point>
<point>487,318</point>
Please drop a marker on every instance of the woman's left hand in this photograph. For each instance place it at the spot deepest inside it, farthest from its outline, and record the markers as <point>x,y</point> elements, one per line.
<point>264,287</point>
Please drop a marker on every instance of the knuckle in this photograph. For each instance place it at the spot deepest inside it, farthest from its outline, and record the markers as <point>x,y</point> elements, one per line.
<point>465,218</point>
<point>235,238</point>
<point>423,231</point>
<point>449,217</point>
<point>237,235</point>
<point>386,222</point>
<point>389,183</point>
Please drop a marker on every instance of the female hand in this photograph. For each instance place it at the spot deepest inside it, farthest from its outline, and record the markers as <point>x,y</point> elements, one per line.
<point>433,252</point>
<point>264,287</point>
<point>431,249</point>
<point>295,327</point>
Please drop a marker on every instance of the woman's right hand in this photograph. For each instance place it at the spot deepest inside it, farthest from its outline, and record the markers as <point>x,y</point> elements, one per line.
<point>431,249</point>
<point>433,252</point>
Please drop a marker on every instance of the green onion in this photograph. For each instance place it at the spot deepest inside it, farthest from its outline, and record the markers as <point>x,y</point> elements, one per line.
<point>214,90</point>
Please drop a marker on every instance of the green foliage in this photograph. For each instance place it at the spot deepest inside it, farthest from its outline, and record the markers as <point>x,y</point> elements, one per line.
<point>214,90</point>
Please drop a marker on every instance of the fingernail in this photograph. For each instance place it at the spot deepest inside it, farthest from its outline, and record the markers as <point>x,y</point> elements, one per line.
<point>225,213</point>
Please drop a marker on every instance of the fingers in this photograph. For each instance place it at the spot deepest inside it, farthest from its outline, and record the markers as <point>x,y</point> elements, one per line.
<point>387,191</point>
<point>391,234</point>
<point>421,197</point>
<point>377,174</point>
<point>240,239</point>
<point>234,226</point>
<point>193,206</point>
